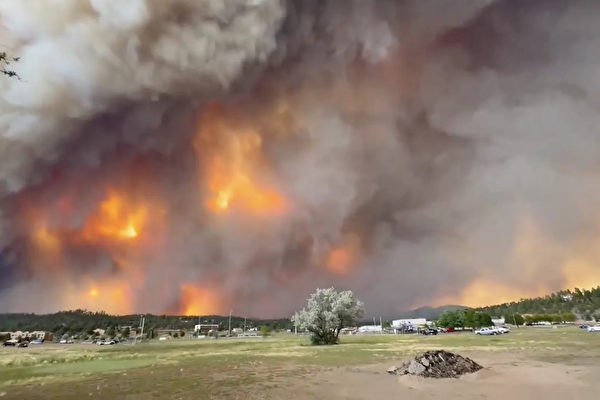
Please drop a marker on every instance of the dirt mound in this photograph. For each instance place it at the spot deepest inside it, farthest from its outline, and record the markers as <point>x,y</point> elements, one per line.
<point>437,364</point>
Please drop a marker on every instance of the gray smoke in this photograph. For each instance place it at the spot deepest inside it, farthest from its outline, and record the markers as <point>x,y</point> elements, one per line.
<point>450,148</point>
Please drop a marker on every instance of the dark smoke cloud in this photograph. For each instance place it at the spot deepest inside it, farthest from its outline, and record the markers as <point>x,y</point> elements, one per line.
<point>450,147</point>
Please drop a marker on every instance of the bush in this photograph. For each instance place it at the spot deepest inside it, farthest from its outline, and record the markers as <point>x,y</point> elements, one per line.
<point>327,313</point>
<point>265,331</point>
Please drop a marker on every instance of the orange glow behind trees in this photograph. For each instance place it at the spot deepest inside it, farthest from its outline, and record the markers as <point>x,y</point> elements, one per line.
<point>197,300</point>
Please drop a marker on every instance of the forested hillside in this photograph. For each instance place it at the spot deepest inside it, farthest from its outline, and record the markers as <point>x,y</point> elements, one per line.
<point>81,321</point>
<point>585,304</point>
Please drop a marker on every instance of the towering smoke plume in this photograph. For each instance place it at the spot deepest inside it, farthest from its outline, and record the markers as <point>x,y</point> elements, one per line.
<point>191,157</point>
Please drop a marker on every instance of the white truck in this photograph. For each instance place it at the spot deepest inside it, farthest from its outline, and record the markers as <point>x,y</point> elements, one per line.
<point>487,331</point>
<point>593,328</point>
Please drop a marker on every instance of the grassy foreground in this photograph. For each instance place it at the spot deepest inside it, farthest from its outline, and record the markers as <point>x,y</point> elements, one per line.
<point>234,368</point>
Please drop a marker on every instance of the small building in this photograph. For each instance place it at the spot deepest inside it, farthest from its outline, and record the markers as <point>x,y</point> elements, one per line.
<point>370,329</point>
<point>99,332</point>
<point>411,323</point>
<point>33,335</point>
<point>566,297</point>
<point>498,321</point>
<point>346,331</point>
<point>204,329</point>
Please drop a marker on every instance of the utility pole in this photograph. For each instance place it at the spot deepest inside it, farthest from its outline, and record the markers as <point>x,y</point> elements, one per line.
<point>143,322</point>
<point>381,324</point>
<point>244,324</point>
<point>135,337</point>
<point>515,321</point>
<point>230,311</point>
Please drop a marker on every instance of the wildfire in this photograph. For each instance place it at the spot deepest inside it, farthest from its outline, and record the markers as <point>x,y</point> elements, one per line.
<point>343,258</point>
<point>116,218</point>
<point>196,300</point>
<point>236,174</point>
<point>46,240</point>
<point>113,295</point>
<point>483,292</point>
<point>581,273</point>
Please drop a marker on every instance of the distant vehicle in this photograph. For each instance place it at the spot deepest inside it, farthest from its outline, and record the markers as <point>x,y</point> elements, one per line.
<point>429,331</point>
<point>66,341</point>
<point>487,331</point>
<point>503,330</point>
<point>593,328</point>
<point>10,342</point>
<point>584,326</point>
<point>107,342</point>
<point>37,341</point>
<point>449,330</point>
<point>23,344</point>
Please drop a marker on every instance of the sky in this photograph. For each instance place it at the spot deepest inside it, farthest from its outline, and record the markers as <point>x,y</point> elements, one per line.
<point>186,157</point>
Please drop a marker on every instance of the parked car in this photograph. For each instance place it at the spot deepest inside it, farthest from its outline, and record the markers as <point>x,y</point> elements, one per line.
<point>487,331</point>
<point>593,328</point>
<point>503,330</point>
<point>10,342</point>
<point>107,342</point>
<point>37,341</point>
<point>23,344</point>
<point>429,331</point>
<point>449,330</point>
<point>584,326</point>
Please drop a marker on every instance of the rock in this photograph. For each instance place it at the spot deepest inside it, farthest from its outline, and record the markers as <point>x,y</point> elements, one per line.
<point>415,368</point>
<point>437,364</point>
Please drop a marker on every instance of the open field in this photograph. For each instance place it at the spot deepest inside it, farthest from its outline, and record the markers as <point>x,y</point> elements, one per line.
<point>552,362</point>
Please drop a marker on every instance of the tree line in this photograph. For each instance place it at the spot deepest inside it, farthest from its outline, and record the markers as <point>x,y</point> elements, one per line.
<point>83,322</point>
<point>582,303</point>
<point>464,319</point>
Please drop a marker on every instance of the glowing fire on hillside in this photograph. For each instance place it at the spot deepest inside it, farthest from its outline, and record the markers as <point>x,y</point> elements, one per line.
<point>196,300</point>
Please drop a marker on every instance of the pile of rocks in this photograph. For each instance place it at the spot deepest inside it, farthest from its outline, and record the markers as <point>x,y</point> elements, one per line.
<point>437,364</point>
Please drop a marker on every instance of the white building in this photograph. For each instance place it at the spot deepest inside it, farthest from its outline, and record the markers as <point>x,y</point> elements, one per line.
<point>370,329</point>
<point>41,335</point>
<point>498,321</point>
<point>413,323</point>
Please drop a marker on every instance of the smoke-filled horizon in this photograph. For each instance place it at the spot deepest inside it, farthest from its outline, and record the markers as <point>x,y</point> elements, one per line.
<point>199,156</point>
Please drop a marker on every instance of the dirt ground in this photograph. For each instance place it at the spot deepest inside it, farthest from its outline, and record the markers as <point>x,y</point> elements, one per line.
<point>561,363</point>
<point>504,377</point>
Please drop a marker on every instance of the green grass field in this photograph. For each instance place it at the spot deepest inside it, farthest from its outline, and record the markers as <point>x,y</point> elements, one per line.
<point>222,368</point>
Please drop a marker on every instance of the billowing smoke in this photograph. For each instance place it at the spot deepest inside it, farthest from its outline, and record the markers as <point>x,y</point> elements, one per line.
<point>199,156</point>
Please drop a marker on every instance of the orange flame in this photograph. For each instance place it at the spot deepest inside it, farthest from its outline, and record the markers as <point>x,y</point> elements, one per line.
<point>343,258</point>
<point>116,219</point>
<point>196,300</point>
<point>234,175</point>
<point>111,295</point>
